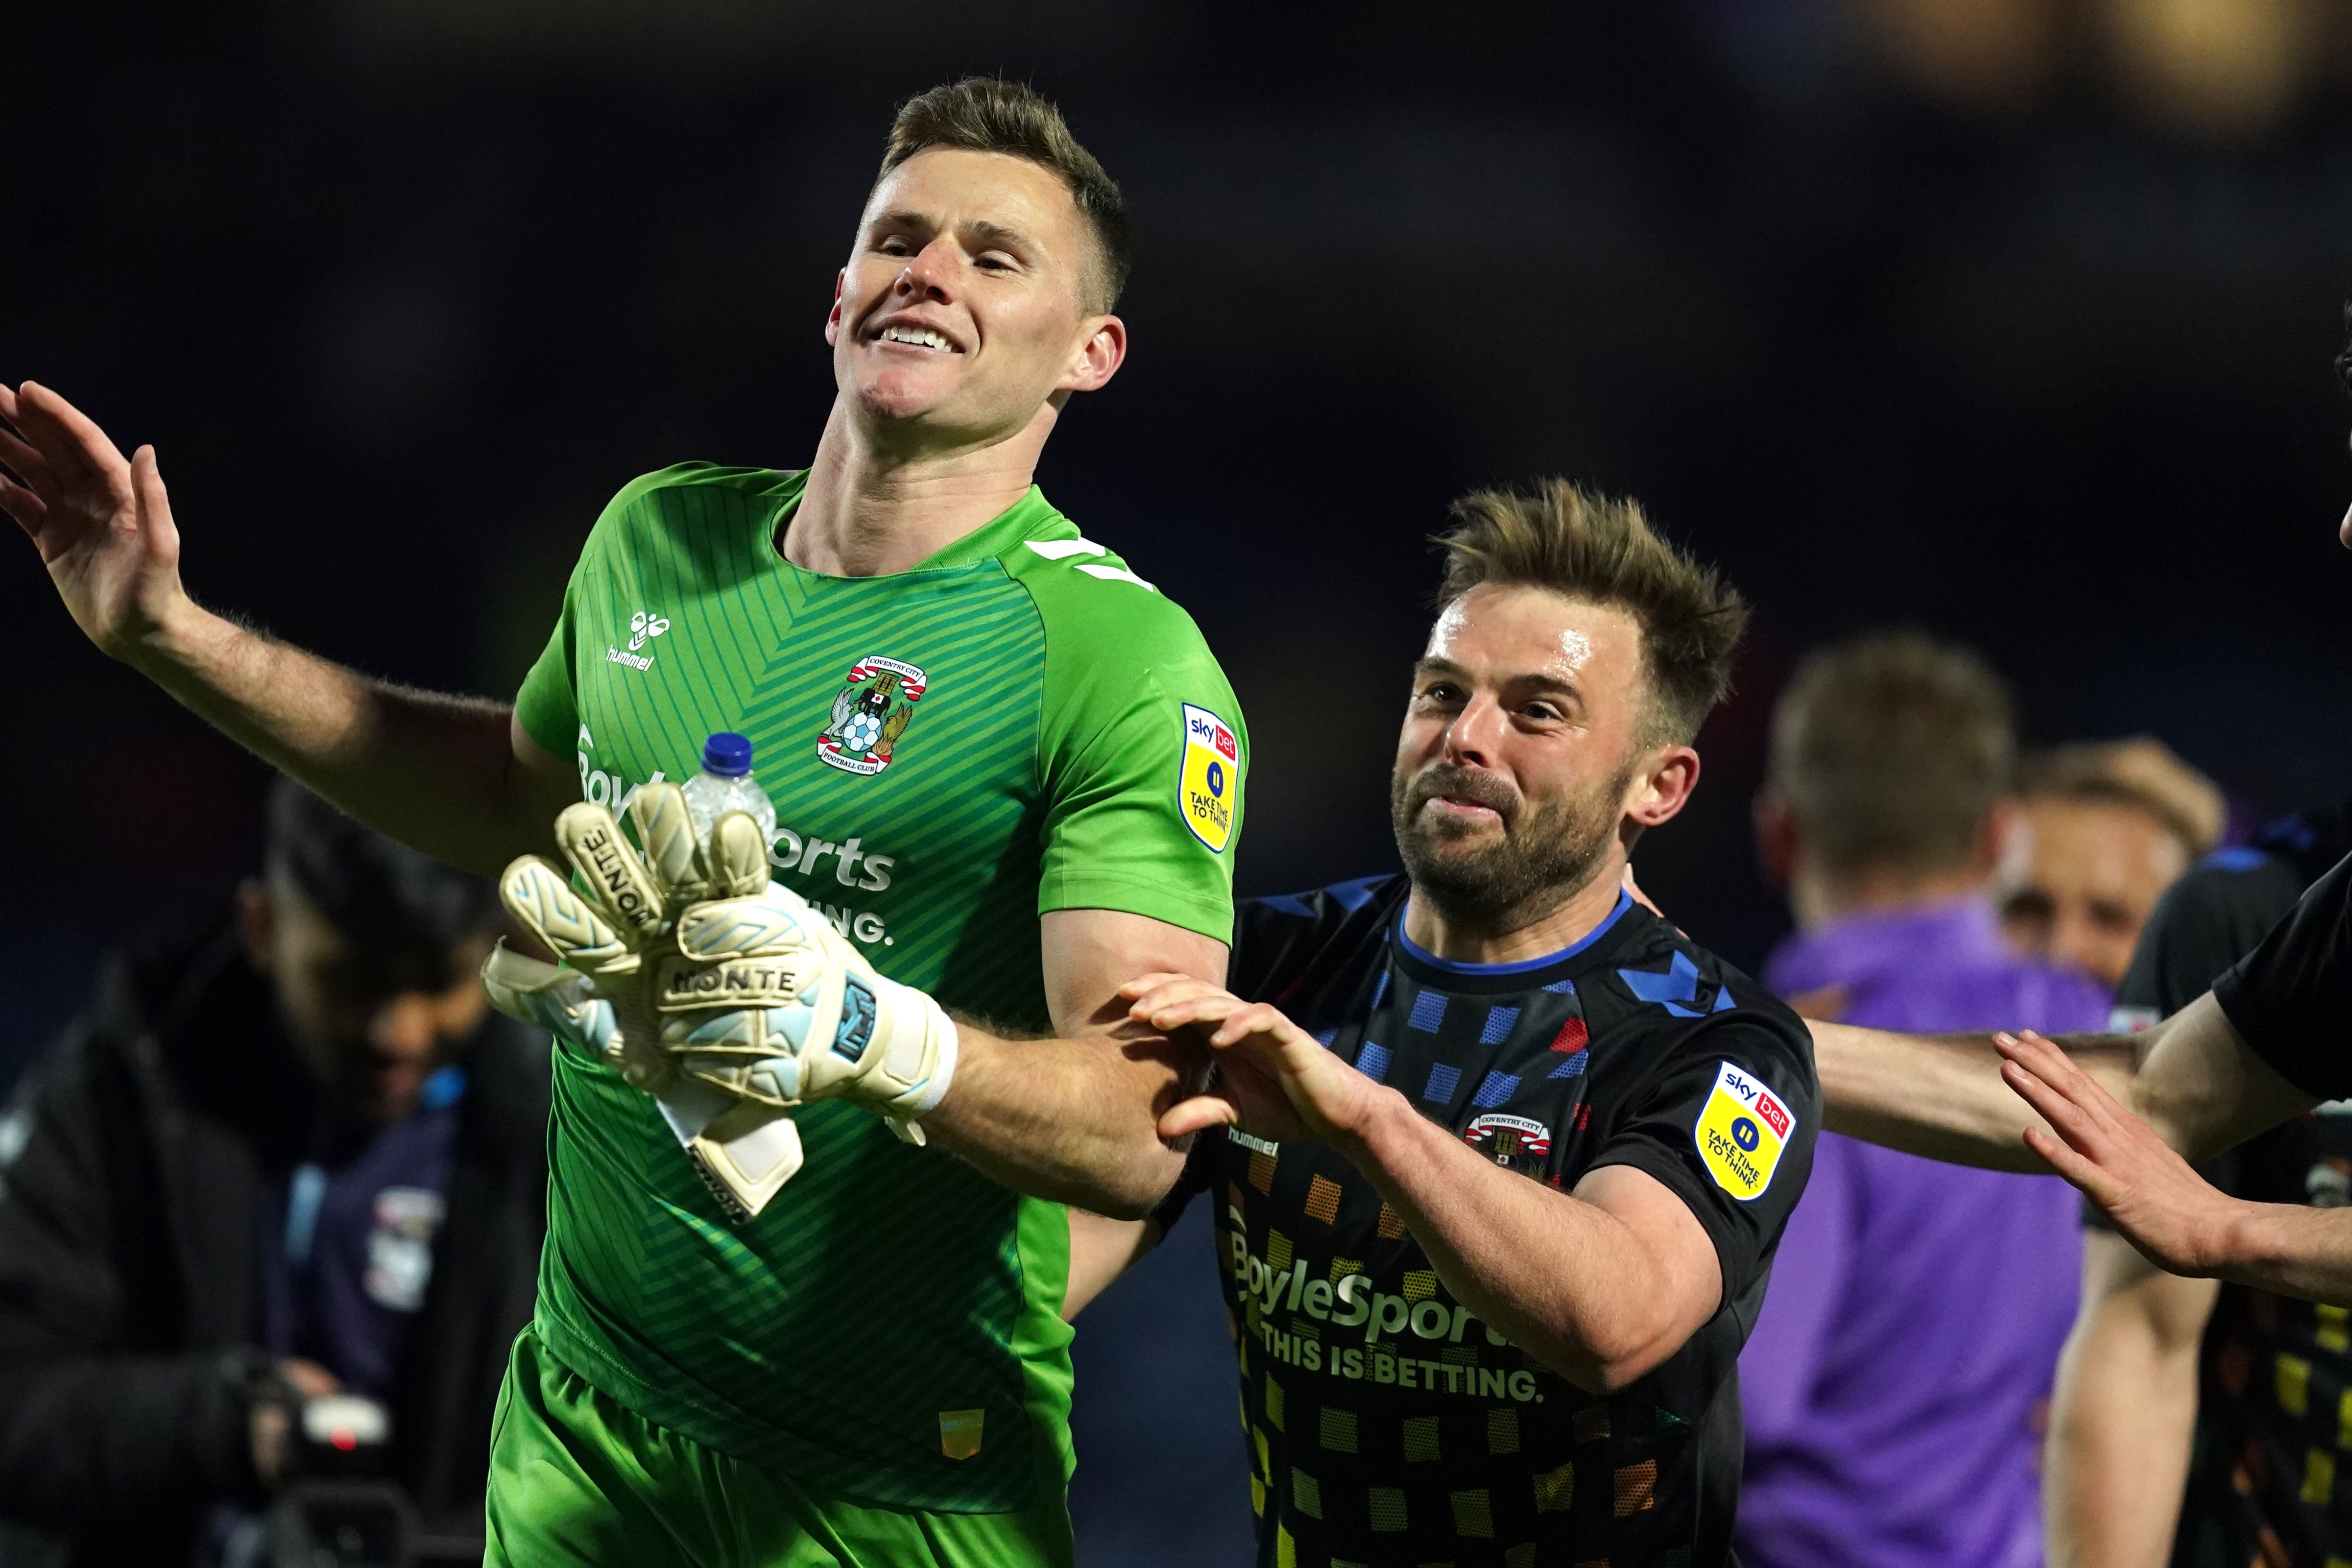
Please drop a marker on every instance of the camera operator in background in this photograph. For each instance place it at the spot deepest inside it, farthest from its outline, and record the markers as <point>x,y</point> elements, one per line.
<point>291,1158</point>
<point>2105,827</point>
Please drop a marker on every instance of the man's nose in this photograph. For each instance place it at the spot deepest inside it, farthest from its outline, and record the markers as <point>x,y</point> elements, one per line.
<point>1476,733</point>
<point>927,276</point>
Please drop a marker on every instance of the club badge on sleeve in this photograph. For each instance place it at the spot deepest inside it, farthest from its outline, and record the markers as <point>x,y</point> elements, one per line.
<point>1740,1133</point>
<point>1209,785</point>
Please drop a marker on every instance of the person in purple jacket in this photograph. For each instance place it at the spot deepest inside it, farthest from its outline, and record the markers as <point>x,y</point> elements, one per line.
<point>1897,1381</point>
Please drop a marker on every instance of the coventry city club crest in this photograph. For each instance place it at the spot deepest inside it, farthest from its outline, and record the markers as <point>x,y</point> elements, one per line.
<point>871,714</point>
<point>1519,1142</point>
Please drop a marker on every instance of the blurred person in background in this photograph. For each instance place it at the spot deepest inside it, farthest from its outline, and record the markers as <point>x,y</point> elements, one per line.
<point>1896,1381</point>
<point>2234,1391</point>
<point>290,1155</point>
<point>2105,827</point>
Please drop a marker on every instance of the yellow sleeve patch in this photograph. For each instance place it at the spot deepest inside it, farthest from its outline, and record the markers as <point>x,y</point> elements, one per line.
<point>1740,1133</point>
<point>1208,787</point>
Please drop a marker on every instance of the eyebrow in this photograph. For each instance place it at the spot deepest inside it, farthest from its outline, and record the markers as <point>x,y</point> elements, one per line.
<point>1001,233</point>
<point>1536,677</point>
<point>983,229</point>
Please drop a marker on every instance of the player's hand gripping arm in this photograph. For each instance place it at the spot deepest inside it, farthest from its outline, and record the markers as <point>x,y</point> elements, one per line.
<point>1075,1118</point>
<point>2134,1172</point>
<point>453,776</point>
<point>1602,1284</point>
<point>2124,1411</point>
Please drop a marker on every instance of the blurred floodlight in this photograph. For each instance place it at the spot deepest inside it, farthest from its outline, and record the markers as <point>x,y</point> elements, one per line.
<point>1992,54</point>
<point>2223,67</point>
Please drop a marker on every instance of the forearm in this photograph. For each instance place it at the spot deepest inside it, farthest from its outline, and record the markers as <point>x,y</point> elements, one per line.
<point>2122,1418</point>
<point>435,771</point>
<point>1069,1119</point>
<point>1941,1096</point>
<point>2287,1249</point>
<point>1564,1279</point>
<point>1101,1249</point>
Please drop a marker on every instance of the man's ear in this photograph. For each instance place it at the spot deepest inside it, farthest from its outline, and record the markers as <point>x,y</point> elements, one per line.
<point>1662,786</point>
<point>2004,845</point>
<point>1777,836</point>
<point>1098,357</point>
<point>832,318</point>
<point>257,924</point>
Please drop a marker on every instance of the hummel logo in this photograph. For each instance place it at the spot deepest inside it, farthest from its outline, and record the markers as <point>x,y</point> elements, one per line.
<point>643,625</point>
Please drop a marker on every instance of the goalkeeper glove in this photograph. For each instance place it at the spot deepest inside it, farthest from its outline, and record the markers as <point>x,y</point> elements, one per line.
<point>730,999</point>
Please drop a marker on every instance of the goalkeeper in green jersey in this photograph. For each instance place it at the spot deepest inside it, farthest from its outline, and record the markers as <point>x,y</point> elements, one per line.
<point>1007,773</point>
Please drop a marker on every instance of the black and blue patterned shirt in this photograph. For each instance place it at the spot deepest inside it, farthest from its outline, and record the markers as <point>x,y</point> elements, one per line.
<point>1386,1422</point>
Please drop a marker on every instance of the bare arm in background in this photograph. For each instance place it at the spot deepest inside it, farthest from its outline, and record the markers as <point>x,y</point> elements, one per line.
<point>454,776</point>
<point>1101,1249</point>
<point>1955,1097</point>
<point>2124,1411</point>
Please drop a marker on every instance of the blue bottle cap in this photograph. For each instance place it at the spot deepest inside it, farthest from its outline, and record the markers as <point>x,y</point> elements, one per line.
<point>726,754</point>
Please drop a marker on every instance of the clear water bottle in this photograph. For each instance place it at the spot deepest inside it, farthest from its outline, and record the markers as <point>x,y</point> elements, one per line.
<point>725,784</point>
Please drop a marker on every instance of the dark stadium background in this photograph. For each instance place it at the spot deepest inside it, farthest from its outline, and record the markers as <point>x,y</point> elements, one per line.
<point>2011,318</point>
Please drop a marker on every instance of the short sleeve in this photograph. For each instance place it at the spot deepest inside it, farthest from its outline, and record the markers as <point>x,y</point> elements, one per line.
<point>1145,755</point>
<point>547,705</point>
<point>2291,998</point>
<point>2205,923</point>
<point>1728,1124</point>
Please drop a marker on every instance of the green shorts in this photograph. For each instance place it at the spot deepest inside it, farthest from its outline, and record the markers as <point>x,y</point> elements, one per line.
<point>577,1477</point>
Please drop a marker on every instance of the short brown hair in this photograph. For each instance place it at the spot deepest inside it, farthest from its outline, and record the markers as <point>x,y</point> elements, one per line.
<point>2141,772</point>
<point>1562,537</point>
<point>987,114</point>
<point>1890,751</point>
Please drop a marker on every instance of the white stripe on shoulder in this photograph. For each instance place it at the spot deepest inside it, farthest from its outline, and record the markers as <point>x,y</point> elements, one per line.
<point>1062,549</point>
<point>1115,575</point>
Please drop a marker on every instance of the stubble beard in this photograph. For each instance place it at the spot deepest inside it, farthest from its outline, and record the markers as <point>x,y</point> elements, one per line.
<point>1546,854</point>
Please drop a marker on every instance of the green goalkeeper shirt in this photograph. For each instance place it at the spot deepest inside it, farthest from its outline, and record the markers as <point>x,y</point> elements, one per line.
<point>1019,724</point>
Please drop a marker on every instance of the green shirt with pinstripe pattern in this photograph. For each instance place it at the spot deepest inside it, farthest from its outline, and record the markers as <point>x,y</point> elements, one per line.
<point>1064,740</point>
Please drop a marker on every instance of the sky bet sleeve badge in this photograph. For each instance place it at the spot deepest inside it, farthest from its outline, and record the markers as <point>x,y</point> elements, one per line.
<point>871,714</point>
<point>1740,1133</point>
<point>1210,783</point>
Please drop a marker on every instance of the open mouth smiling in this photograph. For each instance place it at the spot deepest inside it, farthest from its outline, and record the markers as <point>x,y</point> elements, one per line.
<point>917,338</point>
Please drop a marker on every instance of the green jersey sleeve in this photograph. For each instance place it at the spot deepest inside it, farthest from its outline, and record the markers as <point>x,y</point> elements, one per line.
<point>1143,747</point>
<point>546,705</point>
<point>548,702</point>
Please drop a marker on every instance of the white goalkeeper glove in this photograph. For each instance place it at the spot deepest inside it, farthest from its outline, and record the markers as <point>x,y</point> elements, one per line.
<point>730,1000</point>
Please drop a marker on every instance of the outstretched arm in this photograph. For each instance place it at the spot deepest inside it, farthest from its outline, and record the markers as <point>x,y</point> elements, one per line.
<point>1941,1096</point>
<point>1074,1117</point>
<point>455,777</point>
<point>1949,1097</point>
<point>1602,1284</point>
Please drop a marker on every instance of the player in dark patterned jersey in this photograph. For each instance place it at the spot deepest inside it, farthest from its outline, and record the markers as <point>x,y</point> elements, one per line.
<point>2235,1388</point>
<point>1510,1154</point>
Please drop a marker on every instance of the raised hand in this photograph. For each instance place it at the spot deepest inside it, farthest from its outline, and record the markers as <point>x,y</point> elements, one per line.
<point>1274,1079</point>
<point>2156,1200</point>
<point>101,522</point>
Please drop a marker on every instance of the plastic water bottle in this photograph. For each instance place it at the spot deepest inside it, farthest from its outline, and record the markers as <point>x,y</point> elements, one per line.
<point>725,784</point>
